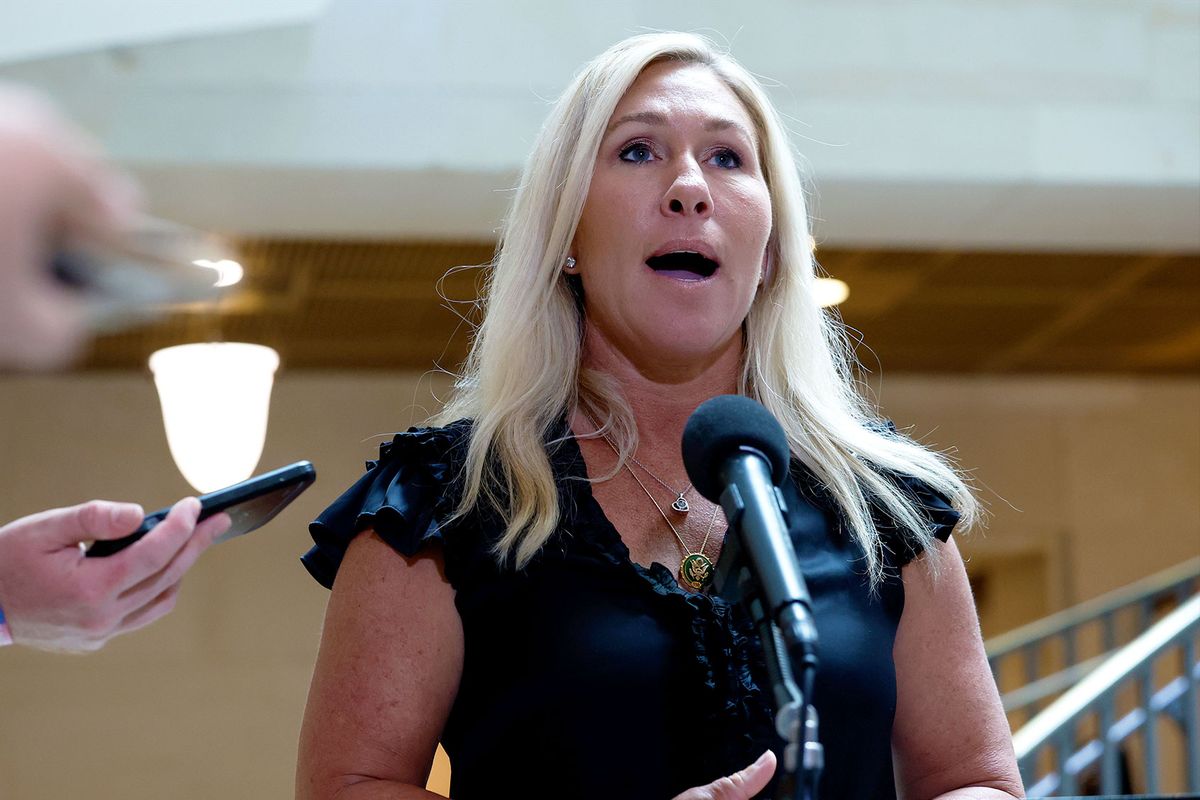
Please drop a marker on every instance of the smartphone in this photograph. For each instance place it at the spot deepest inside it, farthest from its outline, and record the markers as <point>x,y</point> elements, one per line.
<point>251,504</point>
<point>150,270</point>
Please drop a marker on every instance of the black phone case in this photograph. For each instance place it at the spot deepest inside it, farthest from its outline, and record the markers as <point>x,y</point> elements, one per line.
<point>251,504</point>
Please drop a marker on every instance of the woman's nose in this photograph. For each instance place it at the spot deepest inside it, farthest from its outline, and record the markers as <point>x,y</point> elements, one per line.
<point>688,194</point>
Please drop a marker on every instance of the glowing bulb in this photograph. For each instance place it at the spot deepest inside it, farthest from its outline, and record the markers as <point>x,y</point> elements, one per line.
<point>228,272</point>
<point>215,399</point>
<point>830,291</point>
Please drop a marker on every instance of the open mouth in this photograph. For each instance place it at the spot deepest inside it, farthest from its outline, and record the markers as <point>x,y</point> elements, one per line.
<point>684,265</point>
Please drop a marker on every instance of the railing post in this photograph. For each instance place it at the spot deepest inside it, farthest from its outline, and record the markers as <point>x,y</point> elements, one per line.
<point>1191,713</point>
<point>1028,767</point>
<point>1150,729</point>
<point>1064,747</point>
<point>1109,622</point>
<point>1029,671</point>
<point>1029,655</point>
<point>1110,762</point>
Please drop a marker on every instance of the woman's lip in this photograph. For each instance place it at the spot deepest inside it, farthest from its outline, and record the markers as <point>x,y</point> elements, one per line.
<point>682,275</point>
<point>687,245</point>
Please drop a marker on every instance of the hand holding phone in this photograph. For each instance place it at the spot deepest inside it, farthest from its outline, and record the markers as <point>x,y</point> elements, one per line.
<point>54,602</point>
<point>250,505</point>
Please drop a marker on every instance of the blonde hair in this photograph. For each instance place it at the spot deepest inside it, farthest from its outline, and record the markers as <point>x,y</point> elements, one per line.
<point>523,374</point>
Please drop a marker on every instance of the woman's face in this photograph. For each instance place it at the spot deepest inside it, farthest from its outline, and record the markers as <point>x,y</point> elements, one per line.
<point>671,243</point>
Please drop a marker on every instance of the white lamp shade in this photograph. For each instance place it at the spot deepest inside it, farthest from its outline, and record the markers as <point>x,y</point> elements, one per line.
<point>215,398</point>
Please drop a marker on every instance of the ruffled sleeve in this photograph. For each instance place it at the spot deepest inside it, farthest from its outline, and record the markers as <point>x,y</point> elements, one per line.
<point>935,509</point>
<point>940,517</point>
<point>403,497</point>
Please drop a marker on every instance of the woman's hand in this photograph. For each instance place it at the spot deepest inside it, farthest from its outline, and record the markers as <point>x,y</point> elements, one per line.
<point>741,785</point>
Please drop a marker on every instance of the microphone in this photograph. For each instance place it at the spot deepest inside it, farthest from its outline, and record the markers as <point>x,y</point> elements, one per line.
<point>736,454</point>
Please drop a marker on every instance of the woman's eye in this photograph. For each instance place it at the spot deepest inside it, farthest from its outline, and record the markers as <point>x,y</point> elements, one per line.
<point>726,159</point>
<point>637,153</point>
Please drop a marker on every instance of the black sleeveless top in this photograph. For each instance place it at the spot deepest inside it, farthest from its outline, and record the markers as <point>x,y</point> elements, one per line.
<point>587,675</point>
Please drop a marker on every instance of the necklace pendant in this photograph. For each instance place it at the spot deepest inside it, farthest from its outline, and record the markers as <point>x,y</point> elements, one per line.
<point>696,569</point>
<point>681,504</point>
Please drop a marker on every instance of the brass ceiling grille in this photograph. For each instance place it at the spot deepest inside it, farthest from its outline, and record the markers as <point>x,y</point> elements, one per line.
<point>372,305</point>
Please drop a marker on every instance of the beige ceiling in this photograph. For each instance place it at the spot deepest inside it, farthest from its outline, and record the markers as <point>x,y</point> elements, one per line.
<point>376,305</point>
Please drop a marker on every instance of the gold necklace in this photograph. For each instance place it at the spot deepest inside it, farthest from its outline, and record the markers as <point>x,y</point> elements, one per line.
<point>681,504</point>
<point>696,569</point>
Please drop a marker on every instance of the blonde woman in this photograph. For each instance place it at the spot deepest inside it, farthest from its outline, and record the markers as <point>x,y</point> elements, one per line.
<point>518,583</point>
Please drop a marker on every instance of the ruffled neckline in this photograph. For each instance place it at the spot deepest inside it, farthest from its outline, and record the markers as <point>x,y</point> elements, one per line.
<point>568,461</point>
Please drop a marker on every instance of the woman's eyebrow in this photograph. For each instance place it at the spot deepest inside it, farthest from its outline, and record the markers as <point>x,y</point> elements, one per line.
<point>656,118</point>
<point>648,117</point>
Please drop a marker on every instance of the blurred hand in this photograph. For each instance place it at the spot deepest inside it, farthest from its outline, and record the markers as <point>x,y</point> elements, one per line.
<point>741,785</point>
<point>56,190</point>
<point>54,598</point>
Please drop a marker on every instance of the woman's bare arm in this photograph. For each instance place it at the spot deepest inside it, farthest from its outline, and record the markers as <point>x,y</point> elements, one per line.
<point>385,679</point>
<point>950,737</point>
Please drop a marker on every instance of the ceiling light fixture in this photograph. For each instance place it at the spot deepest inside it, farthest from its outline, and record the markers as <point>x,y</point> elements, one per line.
<point>229,272</point>
<point>215,399</point>
<point>830,291</point>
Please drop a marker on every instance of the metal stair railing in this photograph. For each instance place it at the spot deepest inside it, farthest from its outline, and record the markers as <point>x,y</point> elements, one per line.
<point>1057,651</point>
<point>1058,745</point>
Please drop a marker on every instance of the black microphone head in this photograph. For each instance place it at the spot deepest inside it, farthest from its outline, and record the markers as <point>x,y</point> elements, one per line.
<point>720,427</point>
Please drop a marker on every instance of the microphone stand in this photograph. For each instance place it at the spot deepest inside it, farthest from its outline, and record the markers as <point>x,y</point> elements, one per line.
<point>790,652</point>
